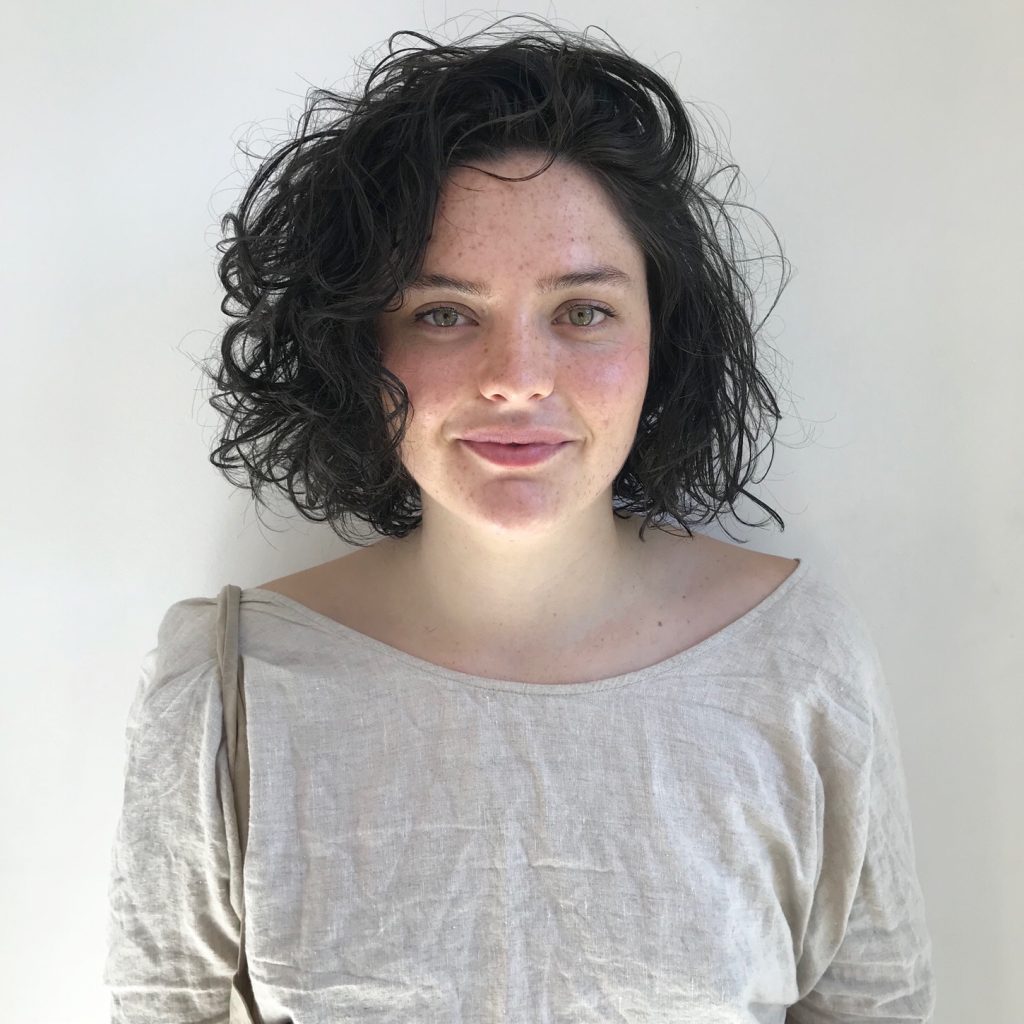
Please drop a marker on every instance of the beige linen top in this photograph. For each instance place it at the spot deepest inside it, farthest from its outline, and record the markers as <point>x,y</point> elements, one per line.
<point>721,837</point>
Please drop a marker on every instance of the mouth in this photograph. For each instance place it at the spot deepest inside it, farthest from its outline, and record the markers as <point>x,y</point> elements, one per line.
<point>515,454</point>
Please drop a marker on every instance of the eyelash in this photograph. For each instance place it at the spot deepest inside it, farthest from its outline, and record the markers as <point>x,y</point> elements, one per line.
<point>610,313</point>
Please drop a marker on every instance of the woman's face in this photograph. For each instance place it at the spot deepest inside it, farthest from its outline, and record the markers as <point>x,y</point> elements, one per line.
<point>517,353</point>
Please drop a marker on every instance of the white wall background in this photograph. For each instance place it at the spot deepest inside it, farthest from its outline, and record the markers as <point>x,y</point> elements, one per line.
<point>881,140</point>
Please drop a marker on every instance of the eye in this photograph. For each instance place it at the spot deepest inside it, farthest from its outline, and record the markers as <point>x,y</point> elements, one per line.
<point>448,310</point>
<point>451,312</point>
<point>603,310</point>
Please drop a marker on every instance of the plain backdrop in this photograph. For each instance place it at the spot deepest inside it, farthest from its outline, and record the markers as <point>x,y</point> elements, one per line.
<point>882,142</point>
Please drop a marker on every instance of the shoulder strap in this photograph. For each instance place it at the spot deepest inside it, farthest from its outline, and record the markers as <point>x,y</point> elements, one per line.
<point>243,1008</point>
<point>233,700</point>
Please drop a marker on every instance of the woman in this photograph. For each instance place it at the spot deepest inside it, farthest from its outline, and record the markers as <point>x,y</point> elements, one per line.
<point>515,761</point>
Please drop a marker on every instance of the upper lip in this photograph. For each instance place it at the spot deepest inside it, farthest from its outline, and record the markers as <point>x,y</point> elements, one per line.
<point>516,435</point>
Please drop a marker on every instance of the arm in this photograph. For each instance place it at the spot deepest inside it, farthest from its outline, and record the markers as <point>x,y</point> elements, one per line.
<point>881,970</point>
<point>173,890</point>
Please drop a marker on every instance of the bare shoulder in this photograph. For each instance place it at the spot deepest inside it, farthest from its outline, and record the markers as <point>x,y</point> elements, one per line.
<point>735,578</point>
<point>756,563</point>
<point>707,582</point>
<point>311,586</point>
<point>731,563</point>
<point>354,590</point>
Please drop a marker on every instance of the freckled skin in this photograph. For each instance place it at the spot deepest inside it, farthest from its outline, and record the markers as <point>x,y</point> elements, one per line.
<point>540,543</point>
<point>505,234</point>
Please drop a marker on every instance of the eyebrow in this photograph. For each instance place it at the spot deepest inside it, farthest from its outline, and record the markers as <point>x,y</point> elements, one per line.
<point>598,274</point>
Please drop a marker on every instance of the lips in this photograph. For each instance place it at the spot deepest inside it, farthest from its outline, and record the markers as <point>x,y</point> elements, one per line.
<point>515,454</point>
<point>517,435</point>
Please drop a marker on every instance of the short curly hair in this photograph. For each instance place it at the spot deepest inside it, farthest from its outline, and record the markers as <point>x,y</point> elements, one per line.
<point>335,223</point>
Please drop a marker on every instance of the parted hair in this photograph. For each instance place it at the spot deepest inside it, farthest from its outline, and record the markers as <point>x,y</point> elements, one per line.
<point>335,222</point>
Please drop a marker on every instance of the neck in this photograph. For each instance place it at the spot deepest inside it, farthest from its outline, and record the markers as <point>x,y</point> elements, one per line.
<point>519,597</point>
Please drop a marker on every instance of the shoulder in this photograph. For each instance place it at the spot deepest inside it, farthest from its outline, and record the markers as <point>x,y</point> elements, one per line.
<point>817,622</point>
<point>341,589</point>
<point>821,608</point>
<point>177,672</point>
<point>175,714</point>
<point>746,570</point>
<point>299,584</point>
<point>727,579</point>
<point>187,629</point>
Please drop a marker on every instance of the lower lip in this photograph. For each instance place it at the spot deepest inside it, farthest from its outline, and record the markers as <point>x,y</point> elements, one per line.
<point>515,455</point>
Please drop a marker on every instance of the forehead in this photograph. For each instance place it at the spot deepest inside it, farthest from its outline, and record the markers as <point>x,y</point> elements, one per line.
<point>563,182</point>
<point>564,206</point>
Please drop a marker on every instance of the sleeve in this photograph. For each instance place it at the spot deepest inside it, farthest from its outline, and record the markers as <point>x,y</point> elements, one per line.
<point>173,925</point>
<point>870,958</point>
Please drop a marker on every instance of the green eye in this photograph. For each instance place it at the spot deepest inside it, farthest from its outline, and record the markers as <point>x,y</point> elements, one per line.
<point>437,309</point>
<point>579,307</point>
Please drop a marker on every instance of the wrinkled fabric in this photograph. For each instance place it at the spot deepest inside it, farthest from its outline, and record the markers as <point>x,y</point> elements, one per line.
<point>721,837</point>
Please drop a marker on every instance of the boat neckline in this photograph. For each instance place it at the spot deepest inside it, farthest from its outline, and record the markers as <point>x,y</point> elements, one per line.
<point>678,660</point>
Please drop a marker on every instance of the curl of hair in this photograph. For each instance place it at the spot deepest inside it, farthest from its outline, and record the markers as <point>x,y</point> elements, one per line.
<point>336,222</point>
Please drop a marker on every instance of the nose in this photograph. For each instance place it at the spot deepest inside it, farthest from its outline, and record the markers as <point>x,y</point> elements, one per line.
<point>518,360</point>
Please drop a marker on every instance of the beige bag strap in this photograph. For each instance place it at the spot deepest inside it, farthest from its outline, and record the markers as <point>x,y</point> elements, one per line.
<point>243,1009</point>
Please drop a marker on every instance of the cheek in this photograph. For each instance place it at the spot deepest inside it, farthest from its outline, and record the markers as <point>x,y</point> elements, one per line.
<point>627,372</point>
<point>629,378</point>
<point>618,384</point>
<point>432,385</point>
